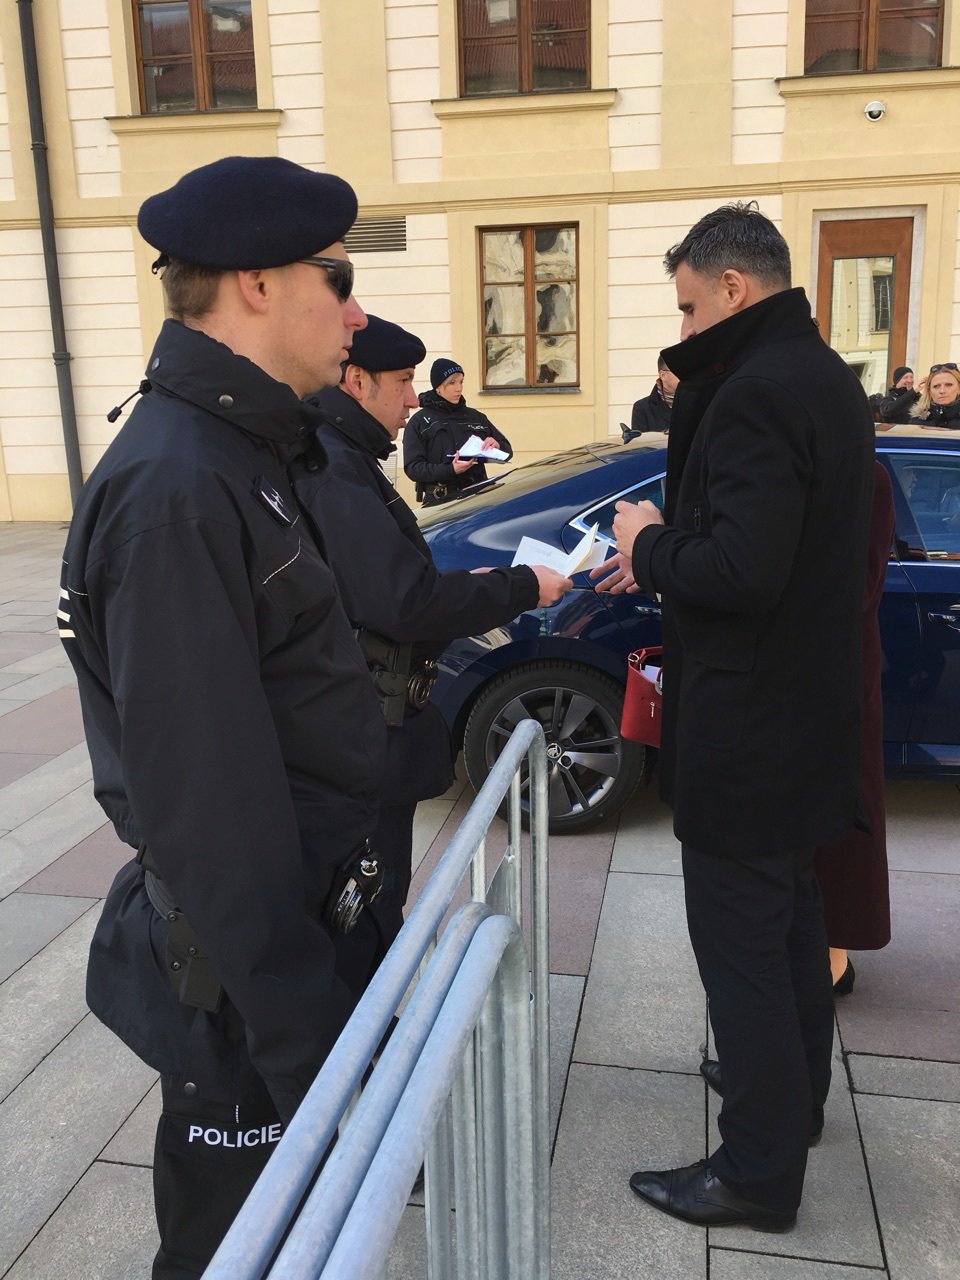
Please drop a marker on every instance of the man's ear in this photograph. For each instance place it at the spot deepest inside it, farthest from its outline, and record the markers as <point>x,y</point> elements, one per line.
<point>735,289</point>
<point>254,288</point>
<point>353,381</point>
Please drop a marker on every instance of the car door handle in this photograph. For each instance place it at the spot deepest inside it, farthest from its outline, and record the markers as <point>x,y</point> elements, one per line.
<point>951,620</point>
<point>648,610</point>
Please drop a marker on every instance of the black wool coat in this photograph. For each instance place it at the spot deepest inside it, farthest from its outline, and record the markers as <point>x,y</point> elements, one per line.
<point>761,566</point>
<point>652,413</point>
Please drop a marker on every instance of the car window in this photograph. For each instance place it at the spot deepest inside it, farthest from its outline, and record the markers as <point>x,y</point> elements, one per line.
<point>929,485</point>
<point>602,514</point>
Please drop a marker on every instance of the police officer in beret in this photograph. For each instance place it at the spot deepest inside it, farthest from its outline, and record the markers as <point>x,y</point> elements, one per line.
<point>406,611</point>
<point>236,738</point>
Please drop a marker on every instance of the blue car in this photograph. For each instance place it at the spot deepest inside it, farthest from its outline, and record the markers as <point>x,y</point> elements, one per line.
<point>566,665</point>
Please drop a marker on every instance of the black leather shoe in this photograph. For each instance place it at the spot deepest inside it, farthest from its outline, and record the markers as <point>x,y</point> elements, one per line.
<point>710,1070</point>
<point>844,984</point>
<point>695,1195</point>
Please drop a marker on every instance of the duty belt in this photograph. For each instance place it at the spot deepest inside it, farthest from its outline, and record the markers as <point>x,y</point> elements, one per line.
<point>399,683</point>
<point>190,971</point>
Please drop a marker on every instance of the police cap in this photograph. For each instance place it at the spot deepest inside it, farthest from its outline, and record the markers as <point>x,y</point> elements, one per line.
<point>383,345</point>
<point>246,212</point>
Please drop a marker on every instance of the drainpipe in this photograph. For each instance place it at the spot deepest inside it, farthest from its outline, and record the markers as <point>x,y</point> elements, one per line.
<point>38,144</point>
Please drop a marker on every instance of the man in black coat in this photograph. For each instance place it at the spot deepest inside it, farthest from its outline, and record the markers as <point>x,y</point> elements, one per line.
<point>652,413</point>
<point>236,740</point>
<point>760,558</point>
<point>406,610</point>
<point>895,406</point>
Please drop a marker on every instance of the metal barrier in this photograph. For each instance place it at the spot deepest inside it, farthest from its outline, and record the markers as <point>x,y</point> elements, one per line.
<point>498,1120</point>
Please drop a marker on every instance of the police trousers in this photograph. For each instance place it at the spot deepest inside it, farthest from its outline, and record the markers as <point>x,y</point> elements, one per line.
<point>756,925</point>
<point>209,1152</point>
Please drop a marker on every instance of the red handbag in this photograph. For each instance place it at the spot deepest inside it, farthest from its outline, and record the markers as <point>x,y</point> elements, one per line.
<point>643,698</point>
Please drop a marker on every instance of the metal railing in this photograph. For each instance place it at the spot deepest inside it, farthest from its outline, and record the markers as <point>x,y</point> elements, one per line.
<point>476,1029</point>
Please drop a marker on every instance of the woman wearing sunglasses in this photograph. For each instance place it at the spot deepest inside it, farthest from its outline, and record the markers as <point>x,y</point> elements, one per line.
<point>939,401</point>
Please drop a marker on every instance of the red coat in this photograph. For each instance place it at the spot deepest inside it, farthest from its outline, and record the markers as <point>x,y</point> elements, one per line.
<point>853,871</point>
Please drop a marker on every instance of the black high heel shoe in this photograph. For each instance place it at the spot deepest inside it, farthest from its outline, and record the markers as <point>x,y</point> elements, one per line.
<point>844,984</point>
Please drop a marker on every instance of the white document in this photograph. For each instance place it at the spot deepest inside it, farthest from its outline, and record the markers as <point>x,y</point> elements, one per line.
<point>587,554</point>
<point>473,448</point>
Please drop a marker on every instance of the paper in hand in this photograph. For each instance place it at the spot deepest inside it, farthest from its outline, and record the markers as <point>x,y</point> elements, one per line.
<point>473,448</point>
<point>587,554</point>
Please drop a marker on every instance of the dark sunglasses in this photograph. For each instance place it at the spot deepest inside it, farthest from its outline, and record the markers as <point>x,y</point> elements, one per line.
<point>339,272</point>
<point>935,368</point>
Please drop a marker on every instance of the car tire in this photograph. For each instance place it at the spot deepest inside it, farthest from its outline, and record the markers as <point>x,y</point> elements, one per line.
<point>579,709</point>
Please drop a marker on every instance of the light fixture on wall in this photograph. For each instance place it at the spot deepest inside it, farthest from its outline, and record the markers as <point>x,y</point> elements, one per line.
<point>875,110</point>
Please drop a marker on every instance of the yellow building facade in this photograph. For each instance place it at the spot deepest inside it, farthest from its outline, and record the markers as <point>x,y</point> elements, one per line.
<point>686,104</point>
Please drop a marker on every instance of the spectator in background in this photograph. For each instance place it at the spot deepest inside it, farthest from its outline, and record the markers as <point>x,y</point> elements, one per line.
<point>895,406</point>
<point>938,404</point>
<point>652,413</point>
<point>435,435</point>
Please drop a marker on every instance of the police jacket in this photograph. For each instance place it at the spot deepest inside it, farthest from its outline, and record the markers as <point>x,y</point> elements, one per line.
<point>387,578</point>
<point>761,565</point>
<point>652,413</point>
<point>434,433</point>
<point>228,710</point>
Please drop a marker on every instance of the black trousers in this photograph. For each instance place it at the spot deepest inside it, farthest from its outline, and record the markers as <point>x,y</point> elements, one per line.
<point>756,925</point>
<point>393,841</point>
<point>219,1124</point>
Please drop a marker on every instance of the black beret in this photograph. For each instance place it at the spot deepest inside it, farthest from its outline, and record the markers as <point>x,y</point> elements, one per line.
<point>383,345</point>
<point>246,212</point>
<point>443,369</point>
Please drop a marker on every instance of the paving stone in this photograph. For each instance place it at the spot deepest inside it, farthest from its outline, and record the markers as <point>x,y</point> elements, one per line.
<point>923,825</point>
<point>566,994</point>
<point>408,1253</point>
<point>15,648</point>
<point>728,1264</point>
<point>15,764</point>
<point>45,659</point>
<point>133,1144</point>
<point>11,704</point>
<point>833,1225</point>
<point>29,608</point>
<point>104,1230</point>
<point>645,839</point>
<point>35,686</point>
<point>87,869</point>
<point>906,1003</point>
<point>644,1004</point>
<point>33,845</point>
<point>50,724</point>
<point>12,623</point>
<point>52,781</point>
<point>905,1077</point>
<point>615,1122</point>
<point>29,921</point>
<point>44,1000</point>
<point>54,1125</point>
<point>578,876</point>
<point>912,1150</point>
<point>427,825</point>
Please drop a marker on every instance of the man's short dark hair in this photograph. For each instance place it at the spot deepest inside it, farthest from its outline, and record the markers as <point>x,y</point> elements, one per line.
<point>191,290</point>
<point>734,237</point>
